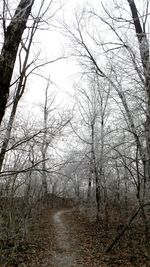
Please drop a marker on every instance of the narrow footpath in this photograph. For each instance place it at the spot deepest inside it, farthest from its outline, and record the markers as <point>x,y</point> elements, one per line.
<point>67,239</point>
<point>59,244</point>
<point>67,247</point>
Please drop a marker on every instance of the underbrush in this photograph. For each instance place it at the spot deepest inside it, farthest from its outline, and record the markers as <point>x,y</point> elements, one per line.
<point>24,227</point>
<point>128,250</point>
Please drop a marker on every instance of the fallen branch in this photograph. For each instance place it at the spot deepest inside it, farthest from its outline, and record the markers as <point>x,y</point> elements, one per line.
<point>124,230</point>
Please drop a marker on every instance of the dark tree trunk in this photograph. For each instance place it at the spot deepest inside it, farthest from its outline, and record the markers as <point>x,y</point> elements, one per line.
<point>145,60</point>
<point>12,39</point>
<point>19,92</point>
<point>96,175</point>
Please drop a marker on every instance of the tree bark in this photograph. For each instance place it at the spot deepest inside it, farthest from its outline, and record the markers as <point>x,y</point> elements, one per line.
<point>96,174</point>
<point>12,39</point>
<point>19,92</point>
<point>144,53</point>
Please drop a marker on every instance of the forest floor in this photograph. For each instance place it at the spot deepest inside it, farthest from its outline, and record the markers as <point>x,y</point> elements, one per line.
<point>67,238</point>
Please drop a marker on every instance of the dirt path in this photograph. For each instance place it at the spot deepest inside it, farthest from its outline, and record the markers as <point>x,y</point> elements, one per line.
<point>67,242</point>
<point>66,238</point>
<point>67,247</point>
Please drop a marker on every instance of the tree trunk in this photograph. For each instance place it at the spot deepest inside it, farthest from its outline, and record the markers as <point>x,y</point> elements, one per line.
<point>45,145</point>
<point>145,57</point>
<point>12,39</point>
<point>19,92</point>
<point>95,171</point>
<point>89,188</point>
<point>144,52</point>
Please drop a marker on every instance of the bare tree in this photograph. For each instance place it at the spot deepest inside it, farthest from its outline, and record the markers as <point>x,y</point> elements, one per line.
<point>12,38</point>
<point>26,67</point>
<point>121,59</point>
<point>92,101</point>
